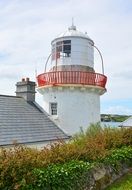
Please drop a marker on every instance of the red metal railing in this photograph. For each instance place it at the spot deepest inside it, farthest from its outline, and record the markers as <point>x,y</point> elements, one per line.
<point>71,77</point>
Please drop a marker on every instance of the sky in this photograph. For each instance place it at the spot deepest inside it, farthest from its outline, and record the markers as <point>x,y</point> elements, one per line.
<point>27,28</point>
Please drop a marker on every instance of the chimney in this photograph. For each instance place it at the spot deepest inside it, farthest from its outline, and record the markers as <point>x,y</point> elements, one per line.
<point>26,89</point>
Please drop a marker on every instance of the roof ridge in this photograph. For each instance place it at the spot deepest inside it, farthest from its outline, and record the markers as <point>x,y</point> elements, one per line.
<point>3,95</point>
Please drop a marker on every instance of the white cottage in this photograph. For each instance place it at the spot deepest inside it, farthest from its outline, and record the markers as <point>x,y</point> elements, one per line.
<point>127,123</point>
<point>70,86</point>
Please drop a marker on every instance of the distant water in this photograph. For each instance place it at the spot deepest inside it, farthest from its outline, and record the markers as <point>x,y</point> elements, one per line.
<point>110,124</point>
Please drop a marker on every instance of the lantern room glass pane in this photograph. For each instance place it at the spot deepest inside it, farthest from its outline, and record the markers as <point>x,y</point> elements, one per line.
<point>67,48</point>
<point>63,49</point>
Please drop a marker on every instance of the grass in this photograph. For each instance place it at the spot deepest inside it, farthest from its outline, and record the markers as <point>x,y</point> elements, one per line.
<point>124,183</point>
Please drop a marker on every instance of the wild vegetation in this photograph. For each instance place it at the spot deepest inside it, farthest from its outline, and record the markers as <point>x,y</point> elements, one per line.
<point>65,166</point>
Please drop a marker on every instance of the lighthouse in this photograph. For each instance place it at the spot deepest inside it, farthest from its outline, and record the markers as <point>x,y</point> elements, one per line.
<point>70,86</point>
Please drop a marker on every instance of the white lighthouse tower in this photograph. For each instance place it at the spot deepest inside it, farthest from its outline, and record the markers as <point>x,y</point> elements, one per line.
<point>70,86</point>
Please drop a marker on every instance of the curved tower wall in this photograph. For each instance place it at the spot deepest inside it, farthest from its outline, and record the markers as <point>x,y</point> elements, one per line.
<point>76,107</point>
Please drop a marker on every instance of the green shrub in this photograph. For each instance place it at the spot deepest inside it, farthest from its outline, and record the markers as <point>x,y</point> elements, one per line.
<point>118,157</point>
<point>74,175</point>
<point>68,176</point>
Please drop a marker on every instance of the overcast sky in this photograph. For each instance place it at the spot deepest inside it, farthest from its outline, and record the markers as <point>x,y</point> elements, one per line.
<point>28,26</point>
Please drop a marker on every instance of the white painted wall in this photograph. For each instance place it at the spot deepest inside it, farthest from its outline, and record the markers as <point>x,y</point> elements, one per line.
<point>77,106</point>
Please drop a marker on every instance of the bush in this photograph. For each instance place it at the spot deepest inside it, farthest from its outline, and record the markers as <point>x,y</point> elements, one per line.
<point>119,159</point>
<point>68,176</point>
<point>15,164</point>
<point>98,141</point>
<point>75,175</point>
<point>122,155</point>
<point>117,137</point>
<point>97,144</point>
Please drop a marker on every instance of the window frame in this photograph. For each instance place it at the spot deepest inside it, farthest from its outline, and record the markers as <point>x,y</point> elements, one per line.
<point>53,108</point>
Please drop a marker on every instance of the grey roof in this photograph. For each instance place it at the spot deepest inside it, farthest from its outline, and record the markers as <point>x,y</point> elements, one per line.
<point>127,123</point>
<point>25,122</point>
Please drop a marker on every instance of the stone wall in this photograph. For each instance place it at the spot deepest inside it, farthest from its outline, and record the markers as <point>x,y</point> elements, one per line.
<point>102,176</point>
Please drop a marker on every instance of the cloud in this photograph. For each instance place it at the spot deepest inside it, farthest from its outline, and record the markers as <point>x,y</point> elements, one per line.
<point>27,28</point>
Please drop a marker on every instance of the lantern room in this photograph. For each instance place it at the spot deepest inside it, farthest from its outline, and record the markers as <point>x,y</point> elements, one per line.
<point>72,50</point>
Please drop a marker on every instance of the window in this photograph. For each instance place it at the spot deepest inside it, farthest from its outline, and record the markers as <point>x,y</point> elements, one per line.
<point>67,48</point>
<point>53,108</point>
<point>62,49</point>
